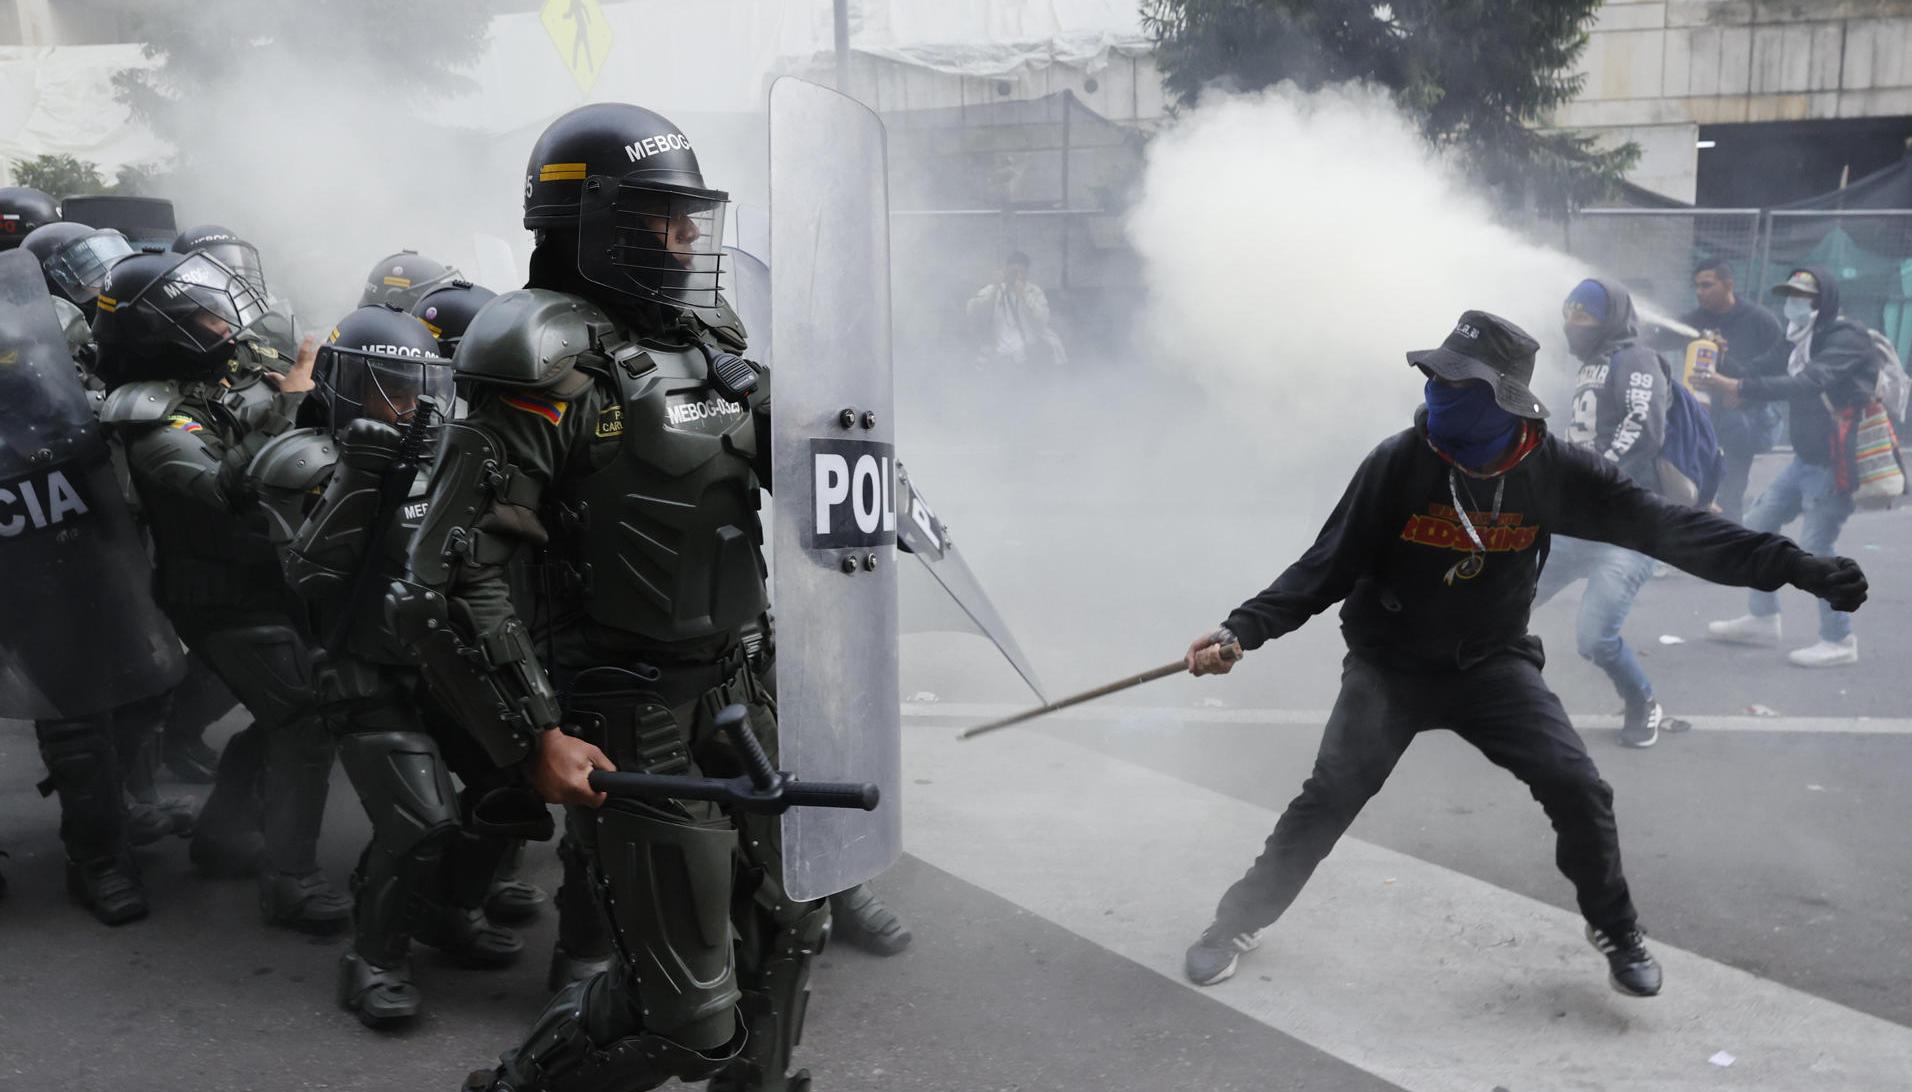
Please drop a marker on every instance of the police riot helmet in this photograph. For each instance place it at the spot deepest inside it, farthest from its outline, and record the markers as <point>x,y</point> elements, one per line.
<point>448,311</point>
<point>172,316</point>
<point>383,364</point>
<point>76,258</point>
<point>627,180</point>
<point>235,253</point>
<point>23,208</point>
<point>400,279</point>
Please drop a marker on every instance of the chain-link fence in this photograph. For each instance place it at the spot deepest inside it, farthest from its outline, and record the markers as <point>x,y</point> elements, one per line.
<point>1654,251</point>
<point>1869,251</point>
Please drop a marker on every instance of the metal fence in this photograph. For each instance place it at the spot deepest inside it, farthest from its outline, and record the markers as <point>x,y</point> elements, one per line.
<point>1654,251</point>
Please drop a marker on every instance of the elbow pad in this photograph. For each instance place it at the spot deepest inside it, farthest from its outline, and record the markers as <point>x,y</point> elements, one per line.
<point>328,548</point>
<point>470,479</point>
<point>492,685</point>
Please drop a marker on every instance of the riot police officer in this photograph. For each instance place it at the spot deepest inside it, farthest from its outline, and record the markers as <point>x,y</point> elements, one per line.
<point>447,311</point>
<point>425,871</point>
<point>166,328</point>
<point>400,280</point>
<point>75,260</point>
<point>611,418</point>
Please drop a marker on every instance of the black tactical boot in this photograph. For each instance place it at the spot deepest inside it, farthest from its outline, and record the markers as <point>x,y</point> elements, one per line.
<point>1633,970</point>
<point>859,919</point>
<point>379,996</point>
<point>470,939</point>
<point>109,887</point>
<point>228,843</point>
<point>512,900</point>
<point>147,823</point>
<point>307,902</point>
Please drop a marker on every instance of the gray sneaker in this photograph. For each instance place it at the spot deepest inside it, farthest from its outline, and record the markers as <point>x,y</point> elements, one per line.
<point>1212,959</point>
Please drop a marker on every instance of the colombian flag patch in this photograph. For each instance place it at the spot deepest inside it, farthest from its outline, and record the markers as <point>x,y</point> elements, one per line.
<point>551,409</point>
<point>183,423</point>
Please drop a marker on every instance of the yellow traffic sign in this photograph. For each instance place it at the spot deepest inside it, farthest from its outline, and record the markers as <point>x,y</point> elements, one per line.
<point>583,37</point>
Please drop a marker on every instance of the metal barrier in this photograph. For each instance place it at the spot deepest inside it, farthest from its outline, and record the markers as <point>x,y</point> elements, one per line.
<point>1654,251</point>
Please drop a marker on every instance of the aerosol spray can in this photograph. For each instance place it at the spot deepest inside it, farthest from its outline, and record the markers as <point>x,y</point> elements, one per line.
<point>1702,355</point>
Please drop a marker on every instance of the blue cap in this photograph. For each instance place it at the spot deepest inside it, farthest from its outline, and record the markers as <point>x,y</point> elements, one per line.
<point>1589,296</point>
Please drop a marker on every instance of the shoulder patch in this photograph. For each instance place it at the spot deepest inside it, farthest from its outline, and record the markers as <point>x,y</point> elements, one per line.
<point>183,423</point>
<point>551,409</point>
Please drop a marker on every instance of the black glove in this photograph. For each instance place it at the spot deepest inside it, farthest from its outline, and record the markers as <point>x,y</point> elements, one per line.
<point>1837,580</point>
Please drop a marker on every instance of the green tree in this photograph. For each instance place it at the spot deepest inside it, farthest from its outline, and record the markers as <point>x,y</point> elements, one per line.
<point>59,175</point>
<point>1476,75</point>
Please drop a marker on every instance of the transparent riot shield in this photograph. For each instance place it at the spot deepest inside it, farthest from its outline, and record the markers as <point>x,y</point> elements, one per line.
<point>834,517</point>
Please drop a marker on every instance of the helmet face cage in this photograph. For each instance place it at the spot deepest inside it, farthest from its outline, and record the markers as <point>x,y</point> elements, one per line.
<point>242,258</point>
<point>383,386</point>
<point>79,268</point>
<point>646,240</point>
<point>204,303</point>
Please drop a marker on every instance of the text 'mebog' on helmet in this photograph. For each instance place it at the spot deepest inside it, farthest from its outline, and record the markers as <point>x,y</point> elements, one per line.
<point>382,364</point>
<point>174,316</point>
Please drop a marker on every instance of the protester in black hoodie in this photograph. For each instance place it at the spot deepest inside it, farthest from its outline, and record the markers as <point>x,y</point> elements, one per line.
<point>1433,552</point>
<point>1832,370</point>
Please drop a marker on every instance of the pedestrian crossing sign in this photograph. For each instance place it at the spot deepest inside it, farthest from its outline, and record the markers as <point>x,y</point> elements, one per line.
<point>582,36</point>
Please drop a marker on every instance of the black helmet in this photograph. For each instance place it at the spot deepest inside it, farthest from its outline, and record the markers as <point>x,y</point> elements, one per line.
<point>172,316</point>
<point>233,252</point>
<point>23,208</point>
<point>448,311</point>
<point>628,180</point>
<point>76,258</point>
<point>399,280</point>
<point>383,364</point>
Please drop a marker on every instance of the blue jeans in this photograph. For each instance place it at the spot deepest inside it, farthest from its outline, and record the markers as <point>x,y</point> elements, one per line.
<point>1808,490</point>
<point>1614,577</point>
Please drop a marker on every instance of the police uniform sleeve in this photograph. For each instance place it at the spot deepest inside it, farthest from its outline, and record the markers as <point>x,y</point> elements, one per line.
<point>1606,507</point>
<point>1343,551</point>
<point>456,613</point>
<point>171,463</point>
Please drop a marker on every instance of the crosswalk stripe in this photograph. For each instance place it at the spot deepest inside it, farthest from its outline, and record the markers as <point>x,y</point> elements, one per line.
<point>978,712</point>
<point>1418,974</point>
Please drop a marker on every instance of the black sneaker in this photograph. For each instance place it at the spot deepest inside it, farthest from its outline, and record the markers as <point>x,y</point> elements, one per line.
<point>1633,969</point>
<point>1642,725</point>
<point>1212,958</point>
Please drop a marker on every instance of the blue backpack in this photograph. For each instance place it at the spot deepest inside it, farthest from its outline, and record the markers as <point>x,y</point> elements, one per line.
<point>1691,463</point>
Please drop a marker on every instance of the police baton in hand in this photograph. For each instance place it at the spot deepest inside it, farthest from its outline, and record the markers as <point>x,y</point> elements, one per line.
<point>1229,652</point>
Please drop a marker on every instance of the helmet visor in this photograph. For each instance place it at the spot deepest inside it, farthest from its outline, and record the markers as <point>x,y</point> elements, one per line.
<point>79,268</point>
<point>242,258</point>
<point>205,301</point>
<point>651,241</point>
<point>386,387</point>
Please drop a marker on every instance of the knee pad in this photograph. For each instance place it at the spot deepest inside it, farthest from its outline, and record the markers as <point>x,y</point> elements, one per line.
<point>268,667</point>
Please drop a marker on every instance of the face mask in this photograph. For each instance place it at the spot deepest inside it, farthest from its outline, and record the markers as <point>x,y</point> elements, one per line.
<point>1467,423</point>
<point>1798,311</point>
<point>1583,341</point>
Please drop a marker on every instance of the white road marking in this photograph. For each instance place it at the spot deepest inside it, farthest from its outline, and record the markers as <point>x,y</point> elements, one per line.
<point>1420,975</point>
<point>978,712</point>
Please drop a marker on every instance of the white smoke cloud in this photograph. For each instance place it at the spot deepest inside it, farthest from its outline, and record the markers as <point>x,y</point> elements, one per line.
<point>1296,245</point>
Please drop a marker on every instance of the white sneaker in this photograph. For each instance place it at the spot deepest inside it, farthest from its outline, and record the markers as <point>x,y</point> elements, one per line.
<point>1747,629</point>
<point>1827,653</point>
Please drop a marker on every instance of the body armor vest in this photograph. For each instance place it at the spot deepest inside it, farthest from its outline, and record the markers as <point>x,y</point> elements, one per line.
<point>660,516</point>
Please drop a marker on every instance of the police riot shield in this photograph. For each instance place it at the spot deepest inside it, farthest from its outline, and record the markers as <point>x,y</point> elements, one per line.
<point>747,288</point>
<point>834,514</point>
<point>923,535</point>
<point>79,633</point>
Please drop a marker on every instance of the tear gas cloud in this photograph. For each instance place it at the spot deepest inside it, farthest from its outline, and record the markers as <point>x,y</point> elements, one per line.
<point>1294,246</point>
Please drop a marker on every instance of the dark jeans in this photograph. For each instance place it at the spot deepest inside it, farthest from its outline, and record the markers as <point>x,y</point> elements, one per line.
<point>1502,707</point>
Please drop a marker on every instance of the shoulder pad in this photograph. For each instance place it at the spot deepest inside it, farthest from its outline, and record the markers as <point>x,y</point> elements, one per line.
<point>298,461</point>
<point>145,403</point>
<point>529,337</point>
<point>724,324</point>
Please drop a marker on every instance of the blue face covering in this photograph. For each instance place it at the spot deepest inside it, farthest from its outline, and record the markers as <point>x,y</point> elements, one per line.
<point>1468,424</point>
